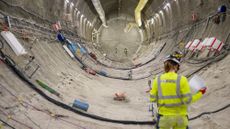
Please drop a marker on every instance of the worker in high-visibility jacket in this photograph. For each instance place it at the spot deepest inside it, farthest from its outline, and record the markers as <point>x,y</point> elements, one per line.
<point>172,94</point>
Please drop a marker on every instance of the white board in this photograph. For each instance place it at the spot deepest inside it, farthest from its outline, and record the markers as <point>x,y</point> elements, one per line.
<point>68,51</point>
<point>13,42</point>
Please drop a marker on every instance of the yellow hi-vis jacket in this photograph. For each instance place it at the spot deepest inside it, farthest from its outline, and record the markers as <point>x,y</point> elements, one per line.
<point>172,94</point>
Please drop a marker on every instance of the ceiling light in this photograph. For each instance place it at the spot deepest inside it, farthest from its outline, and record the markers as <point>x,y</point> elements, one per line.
<point>71,4</point>
<point>67,1</point>
<point>161,12</point>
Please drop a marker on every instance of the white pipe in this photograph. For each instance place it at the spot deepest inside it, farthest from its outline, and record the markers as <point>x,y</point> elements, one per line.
<point>138,10</point>
<point>100,11</point>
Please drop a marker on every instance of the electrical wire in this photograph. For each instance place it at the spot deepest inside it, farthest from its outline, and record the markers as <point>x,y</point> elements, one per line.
<point>67,107</point>
<point>11,118</point>
<point>7,124</point>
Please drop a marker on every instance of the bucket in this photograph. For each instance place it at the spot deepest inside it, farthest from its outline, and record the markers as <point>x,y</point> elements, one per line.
<point>80,105</point>
<point>196,83</point>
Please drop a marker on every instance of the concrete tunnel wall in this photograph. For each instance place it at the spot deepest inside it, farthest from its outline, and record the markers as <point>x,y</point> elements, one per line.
<point>65,76</point>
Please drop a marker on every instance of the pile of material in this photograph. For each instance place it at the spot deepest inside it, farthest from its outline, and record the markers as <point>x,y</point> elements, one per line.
<point>120,96</point>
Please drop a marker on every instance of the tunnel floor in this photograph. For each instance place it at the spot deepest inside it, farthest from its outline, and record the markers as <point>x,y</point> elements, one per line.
<point>24,107</point>
<point>118,45</point>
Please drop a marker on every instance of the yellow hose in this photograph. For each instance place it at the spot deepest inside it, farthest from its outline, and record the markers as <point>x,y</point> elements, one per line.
<point>138,10</point>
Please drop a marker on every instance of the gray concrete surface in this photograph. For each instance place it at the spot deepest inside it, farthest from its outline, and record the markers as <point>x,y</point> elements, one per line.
<point>22,107</point>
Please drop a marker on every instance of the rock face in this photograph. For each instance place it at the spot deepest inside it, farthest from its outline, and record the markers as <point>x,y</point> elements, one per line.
<point>113,61</point>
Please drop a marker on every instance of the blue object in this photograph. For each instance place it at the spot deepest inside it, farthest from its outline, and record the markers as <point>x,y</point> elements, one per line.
<point>222,9</point>
<point>80,105</point>
<point>72,47</point>
<point>60,37</point>
<point>103,73</point>
<point>83,51</point>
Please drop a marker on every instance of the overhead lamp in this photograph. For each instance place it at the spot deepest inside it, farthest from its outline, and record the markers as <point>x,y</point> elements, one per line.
<point>71,4</point>
<point>167,5</point>
<point>161,11</point>
<point>157,15</point>
<point>152,20</point>
<point>67,1</point>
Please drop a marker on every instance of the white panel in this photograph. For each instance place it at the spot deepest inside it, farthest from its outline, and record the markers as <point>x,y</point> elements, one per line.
<point>13,42</point>
<point>188,44</point>
<point>213,43</point>
<point>195,43</point>
<point>200,46</point>
<point>68,51</point>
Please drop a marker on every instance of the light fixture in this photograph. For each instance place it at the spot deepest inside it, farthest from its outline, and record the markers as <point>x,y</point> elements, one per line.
<point>152,20</point>
<point>67,1</point>
<point>157,15</point>
<point>71,4</point>
<point>167,6</point>
<point>161,12</point>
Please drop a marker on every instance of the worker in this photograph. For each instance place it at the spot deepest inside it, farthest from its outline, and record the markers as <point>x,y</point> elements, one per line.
<point>126,51</point>
<point>171,93</point>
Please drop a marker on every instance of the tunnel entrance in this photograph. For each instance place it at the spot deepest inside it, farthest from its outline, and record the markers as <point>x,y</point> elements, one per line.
<point>117,44</point>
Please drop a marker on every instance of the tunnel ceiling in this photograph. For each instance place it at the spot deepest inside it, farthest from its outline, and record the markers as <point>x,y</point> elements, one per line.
<point>127,7</point>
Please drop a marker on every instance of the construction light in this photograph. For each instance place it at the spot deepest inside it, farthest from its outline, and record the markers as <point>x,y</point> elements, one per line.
<point>152,20</point>
<point>71,4</point>
<point>167,6</point>
<point>161,12</point>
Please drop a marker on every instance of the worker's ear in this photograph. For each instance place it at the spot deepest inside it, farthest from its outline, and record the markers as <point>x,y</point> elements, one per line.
<point>177,68</point>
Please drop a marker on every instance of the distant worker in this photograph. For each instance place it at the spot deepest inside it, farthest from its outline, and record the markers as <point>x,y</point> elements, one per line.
<point>126,51</point>
<point>171,92</point>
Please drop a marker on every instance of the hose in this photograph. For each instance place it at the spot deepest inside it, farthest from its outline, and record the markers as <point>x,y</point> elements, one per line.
<point>12,65</point>
<point>7,124</point>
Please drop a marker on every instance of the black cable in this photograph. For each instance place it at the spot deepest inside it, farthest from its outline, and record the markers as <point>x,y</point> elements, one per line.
<point>207,113</point>
<point>7,124</point>
<point>67,107</point>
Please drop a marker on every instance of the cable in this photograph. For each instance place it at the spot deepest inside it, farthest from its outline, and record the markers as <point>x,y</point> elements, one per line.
<point>207,113</point>
<point>67,107</point>
<point>10,117</point>
<point>7,124</point>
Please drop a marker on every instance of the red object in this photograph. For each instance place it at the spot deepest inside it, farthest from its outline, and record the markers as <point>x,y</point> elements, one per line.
<point>203,90</point>
<point>194,16</point>
<point>218,49</point>
<point>196,46</point>
<point>93,56</point>
<point>90,71</point>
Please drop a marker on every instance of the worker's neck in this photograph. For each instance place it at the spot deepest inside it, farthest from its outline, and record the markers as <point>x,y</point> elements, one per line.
<point>172,71</point>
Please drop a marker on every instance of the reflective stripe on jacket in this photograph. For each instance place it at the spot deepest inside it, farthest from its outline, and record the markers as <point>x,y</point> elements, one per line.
<point>172,94</point>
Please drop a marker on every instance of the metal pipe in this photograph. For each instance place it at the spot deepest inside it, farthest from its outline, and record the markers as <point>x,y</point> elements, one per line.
<point>138,10</point>
<point>100,11</point>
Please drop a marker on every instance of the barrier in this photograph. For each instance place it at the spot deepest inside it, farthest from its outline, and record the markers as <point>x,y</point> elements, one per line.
<point>213,44</point>
<point>194,44</point>
<point>188,45</point>
<point>202,44</point>
<point>13,42</point>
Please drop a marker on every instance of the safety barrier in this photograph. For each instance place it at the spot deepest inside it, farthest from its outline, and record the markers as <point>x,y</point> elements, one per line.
<point>212,44</point>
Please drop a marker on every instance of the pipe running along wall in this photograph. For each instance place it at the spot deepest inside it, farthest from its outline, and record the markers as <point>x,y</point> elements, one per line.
<point>100,11</point>
<point>138,10</point>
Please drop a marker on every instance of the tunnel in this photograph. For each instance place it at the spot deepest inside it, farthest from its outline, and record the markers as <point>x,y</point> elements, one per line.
<point>58,54</point>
